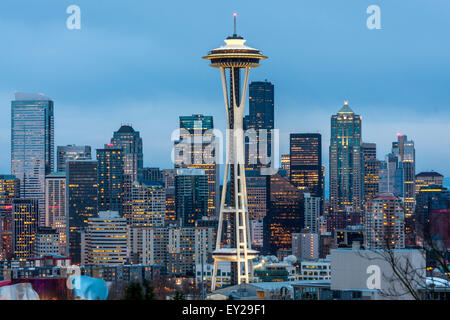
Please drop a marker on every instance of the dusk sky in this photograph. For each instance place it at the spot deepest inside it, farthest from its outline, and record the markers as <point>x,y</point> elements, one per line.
<point>139,62</point>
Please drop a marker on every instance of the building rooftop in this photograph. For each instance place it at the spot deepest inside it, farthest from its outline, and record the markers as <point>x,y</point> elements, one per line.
<point>345,109</point>
<point>429,174</point>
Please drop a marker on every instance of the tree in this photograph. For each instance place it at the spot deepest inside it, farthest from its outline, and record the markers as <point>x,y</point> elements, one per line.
<point>178,296</point>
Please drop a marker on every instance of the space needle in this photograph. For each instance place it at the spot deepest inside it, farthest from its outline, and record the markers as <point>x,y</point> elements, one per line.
<point>230,59</point>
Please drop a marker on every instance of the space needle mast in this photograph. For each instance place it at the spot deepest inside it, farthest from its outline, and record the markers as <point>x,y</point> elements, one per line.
<point>230,59</point>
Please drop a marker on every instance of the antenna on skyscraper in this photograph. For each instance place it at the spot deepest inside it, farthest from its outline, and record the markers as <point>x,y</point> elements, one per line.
<point>235,15</point>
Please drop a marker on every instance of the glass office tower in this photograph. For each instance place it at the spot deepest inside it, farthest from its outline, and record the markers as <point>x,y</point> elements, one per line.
<point>32,145</point>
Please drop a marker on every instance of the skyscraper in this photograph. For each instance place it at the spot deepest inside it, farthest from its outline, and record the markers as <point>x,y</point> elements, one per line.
<point>232,58</point>
<point>81,195</point>
<point>191,196</point>
<point>346,190</point>
<point>71,152</point>
<point>404,149</point>
<point>148,204</point>
<point>371,168</point>
<point>110,179</point>
<point>32,145</point>
<point>312,213</point>
<point>258,153</point>
<point>196,150</point>
<point>9,190</point>
<point>385,223</point>
<point>105,239</point>
<point>425,179</point>
<point>24,227</point>
<point>285,214</point>
<point>306,162</point>
<point>129,140</point>
<point>55,208</point>
<point>286,163</point>
<point>256,194</point>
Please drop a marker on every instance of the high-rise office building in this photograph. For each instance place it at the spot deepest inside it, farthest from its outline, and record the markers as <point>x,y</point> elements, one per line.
<point>306,162</point>
<point>47,242</point>
<point>305,245</point>
<point>153,174</point>
<point>385,222</point>
<point>32,145</point>
<point>110,179</point>
<point>55,208</point>
<point>105,239</point>
<point>191,196</point>
<point>312,213</point>
<point>425,179</point>
<point>404,149</point>
<point>346,189</point>
<point>71,152</point>
<point>258,146</point>
<point>169,183</point>
<point>256,194</point>
<point>285,214</point>
<point>148,204</point>
<point>24,227</point>
<point>9,190</point>
<point>286,163</point>
<point>130,142</point>
<point>371,170</point>
<point>197,149</point>
<point>81,194</point>
<point>391,176</point>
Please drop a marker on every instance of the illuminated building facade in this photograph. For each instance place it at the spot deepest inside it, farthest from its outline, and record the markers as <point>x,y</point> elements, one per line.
<point>258,152</point>
<point>385,223</point>
<point>196,150</point>
<point>191,196</point>
<point>346,187</point>
<point>256,195</point>
<point>55,208</point>
<point>32,145</point>
<point>286,163</point>
<point>129,140</point>
<point>105,239</point>
<point>148,205</point>
<point>425,179</point>
<point>81,195</point>
<point>306,162</point>
<point>47,242</point>
<point>371,168</point>
<point>110,179</point>
<point>169,184</point>
<point>404,149</point>
<point>71,152</point>
<point>285,214</point>
<point>9,190</point>
<point>312,212</point>
<point>24,227</point>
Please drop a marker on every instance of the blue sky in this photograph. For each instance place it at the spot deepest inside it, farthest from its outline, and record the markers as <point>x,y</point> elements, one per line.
<point>139,62</point>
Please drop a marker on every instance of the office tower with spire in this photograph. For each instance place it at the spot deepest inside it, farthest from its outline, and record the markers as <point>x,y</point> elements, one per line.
<point>231,59</point>
<point>129,140</point>
<point>196,150</point>
<point>346,189</point>
<point>32,145</point>
<point>258,151</point>
<point>71,152</point>
<point>306,162</point>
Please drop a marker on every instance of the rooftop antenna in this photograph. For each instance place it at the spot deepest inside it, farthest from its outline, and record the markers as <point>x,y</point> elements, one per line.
<point>235,15</point>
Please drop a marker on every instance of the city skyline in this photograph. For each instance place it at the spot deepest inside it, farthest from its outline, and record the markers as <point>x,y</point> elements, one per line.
<point>148,90</point>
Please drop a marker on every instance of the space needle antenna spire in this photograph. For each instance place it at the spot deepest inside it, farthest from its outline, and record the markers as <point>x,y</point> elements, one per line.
<point>235,16</point>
